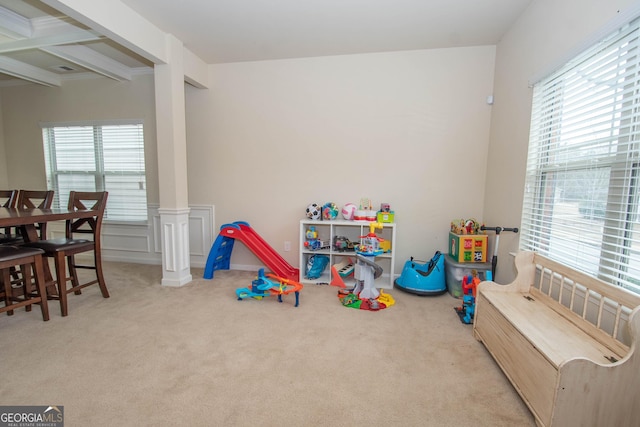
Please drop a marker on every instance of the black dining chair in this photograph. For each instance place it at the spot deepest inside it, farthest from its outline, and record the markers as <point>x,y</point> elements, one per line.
<point>29,259</point>
<point>66,248</point>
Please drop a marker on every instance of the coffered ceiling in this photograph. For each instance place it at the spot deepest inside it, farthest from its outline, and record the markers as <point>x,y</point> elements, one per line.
<point>39,44</point>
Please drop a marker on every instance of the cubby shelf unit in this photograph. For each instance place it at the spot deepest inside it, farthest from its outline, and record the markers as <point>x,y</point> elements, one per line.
<point>352,230</point>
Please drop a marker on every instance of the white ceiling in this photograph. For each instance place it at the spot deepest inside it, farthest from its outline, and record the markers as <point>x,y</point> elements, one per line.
<point>221,31</point>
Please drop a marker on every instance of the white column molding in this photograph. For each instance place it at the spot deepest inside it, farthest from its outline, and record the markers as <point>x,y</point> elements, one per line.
<point>176,265</point>
<point>172,162</point>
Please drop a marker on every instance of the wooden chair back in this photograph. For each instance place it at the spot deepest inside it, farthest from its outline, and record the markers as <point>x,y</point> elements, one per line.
<point>8,198</point>
<point>87,201</point>
<point>36,199</point>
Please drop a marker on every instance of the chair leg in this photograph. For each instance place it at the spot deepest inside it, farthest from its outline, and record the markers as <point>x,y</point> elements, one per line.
<point>52,290</point>
<point>40,284</point>
<point>73,273</point>
<point>25,270</point>
<point>98,263</point>
<point>6,281</point>
<point>61,279</point>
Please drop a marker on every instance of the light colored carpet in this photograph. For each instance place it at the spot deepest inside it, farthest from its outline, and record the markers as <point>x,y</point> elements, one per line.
<point>196,356</point>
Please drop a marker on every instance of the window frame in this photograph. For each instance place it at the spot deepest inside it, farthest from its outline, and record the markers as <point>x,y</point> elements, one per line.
<point>100,173</point>
<point>554,99</point>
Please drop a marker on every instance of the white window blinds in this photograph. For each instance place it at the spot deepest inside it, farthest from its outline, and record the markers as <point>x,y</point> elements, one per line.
<point>99,157</point>
<point>582,191</point>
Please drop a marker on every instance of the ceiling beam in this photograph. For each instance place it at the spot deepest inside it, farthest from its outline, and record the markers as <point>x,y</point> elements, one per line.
<point>13,25</point>
<point>28,72</point>
<point>39,42</point>
<point>92,60</point>
<point>55,36</point>
<point>119,23</point>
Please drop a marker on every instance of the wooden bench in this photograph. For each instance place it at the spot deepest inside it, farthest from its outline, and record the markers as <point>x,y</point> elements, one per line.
<point>566,341</point>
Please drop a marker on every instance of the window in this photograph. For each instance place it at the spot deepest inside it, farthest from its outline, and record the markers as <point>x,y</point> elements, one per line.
<point>98,157</point>
<point>582,191</point>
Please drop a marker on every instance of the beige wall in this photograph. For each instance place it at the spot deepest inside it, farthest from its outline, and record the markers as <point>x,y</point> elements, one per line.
<point>407,128</point>
<point>24,107</point>
<point>544,35</point>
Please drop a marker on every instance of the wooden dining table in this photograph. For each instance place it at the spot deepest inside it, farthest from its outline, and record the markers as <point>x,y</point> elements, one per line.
<point>28,219</point>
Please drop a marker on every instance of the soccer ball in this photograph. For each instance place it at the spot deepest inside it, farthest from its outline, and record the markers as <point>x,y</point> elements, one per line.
<point>348,211</point>
<point>314,211</point>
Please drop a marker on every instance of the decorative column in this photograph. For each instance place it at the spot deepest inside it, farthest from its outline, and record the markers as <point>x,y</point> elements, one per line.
<point>172,165</point>
<point>175,246</point>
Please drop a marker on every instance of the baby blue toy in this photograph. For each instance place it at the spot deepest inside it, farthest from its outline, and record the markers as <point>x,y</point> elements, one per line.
<point>423,278</point>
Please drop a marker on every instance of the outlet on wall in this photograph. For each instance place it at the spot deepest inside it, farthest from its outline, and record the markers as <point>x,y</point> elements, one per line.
<point>287,246</point>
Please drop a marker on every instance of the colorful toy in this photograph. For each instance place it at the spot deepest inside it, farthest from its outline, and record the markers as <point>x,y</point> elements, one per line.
<point>348,211</point>
<point>365,211</point>
<point>423,278</point>
<point>263,287</point>
<point>467,241</point>
<point>342,244</point>
<point>220,254</point>
<point>469,286</point>
<point>340,271</point>
<point>316,265</point>
<point>385,246</point>
<point>312,242</point>
<point>329,211</point>
<point>370,243</point>
<point>365,273</point>
<point>364,295</point>
<point>314,211</point>
<point>285,287</point>
<point>315,245</point>
<point>468,226</point>
<point>385,214</point>
<point>311,233</point>
<point>386,299</point>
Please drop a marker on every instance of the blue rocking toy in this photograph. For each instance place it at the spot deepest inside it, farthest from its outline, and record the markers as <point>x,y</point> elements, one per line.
<point>423,279</point>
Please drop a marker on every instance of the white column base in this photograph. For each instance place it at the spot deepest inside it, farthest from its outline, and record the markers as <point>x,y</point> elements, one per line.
<point>176,264</point>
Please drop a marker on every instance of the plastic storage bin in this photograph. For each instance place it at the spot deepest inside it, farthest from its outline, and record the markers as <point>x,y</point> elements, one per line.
<point>455,272</point>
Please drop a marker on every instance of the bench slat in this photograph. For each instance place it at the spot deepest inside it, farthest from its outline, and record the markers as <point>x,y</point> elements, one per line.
<point>616,293</point>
